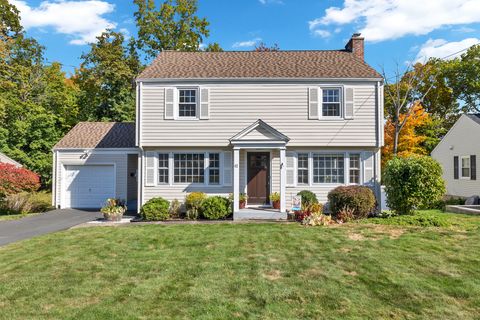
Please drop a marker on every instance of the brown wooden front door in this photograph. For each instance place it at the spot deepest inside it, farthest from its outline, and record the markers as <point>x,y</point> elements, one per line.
<point>258,177</point>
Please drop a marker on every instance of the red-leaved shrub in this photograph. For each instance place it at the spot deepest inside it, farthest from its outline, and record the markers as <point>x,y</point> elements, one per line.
<point>15,180</point>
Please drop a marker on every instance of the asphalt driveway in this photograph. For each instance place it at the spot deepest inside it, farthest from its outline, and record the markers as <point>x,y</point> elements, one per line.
<point>56,220</point>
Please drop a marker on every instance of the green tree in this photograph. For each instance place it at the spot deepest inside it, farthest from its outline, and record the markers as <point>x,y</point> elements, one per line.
<point>213,47</point>
<point>105,79</point>
<point>174,26</point>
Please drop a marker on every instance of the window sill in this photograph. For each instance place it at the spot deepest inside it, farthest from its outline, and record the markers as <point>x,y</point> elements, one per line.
<point>186,119</point>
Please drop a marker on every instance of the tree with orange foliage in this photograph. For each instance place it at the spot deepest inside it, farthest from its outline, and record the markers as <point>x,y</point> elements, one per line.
<point>411,139</point>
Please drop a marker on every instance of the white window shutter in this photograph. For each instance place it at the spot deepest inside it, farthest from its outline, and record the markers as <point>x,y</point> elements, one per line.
<point>349,97</point>
<point>227,168</point>
<point>204,103</point>
<point>169,103</point>
<point>291,169</point>
<point>150,168</point>
<point>313,102</point>
<point>368,168</point>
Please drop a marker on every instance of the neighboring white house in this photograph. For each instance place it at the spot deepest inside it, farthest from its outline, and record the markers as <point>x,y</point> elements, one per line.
<point>457,153</point>
<point>235,122</point>
<point>6,159</point>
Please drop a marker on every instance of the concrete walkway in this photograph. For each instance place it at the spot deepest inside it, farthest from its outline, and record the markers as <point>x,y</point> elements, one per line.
<point>56,220</point>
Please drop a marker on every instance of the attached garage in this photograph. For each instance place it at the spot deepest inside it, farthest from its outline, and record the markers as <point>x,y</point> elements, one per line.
<point>88,186</point>
<point>93,162</point>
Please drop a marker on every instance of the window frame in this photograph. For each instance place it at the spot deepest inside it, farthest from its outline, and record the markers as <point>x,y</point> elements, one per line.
<point>341,103</point>
<point>177,104</point>
<point>157,159</point>
<point>461,167</point>
<point>297,183</point>
<point>345,176</point>
<point>359,168</point>
<point>209,169</point>
<point>205,176</point>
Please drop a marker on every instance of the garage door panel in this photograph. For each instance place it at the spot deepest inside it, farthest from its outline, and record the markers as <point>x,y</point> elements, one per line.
<point>89,186</point>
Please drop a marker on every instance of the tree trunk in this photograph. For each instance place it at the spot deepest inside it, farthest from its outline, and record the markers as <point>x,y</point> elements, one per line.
<point>395,140</point>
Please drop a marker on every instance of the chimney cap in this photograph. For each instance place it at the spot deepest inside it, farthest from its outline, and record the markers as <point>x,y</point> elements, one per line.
<point>356,35</point>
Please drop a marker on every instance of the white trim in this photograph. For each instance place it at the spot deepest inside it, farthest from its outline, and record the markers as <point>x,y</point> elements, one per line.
<point>283,179</point>
<point>140,186</point>
<point>100,150</point>
<point>63,170</point>
<point>176,104</point>
<point>255,80</point>
<point>54,179</point>
<point>138,113</point>
<point>341,89</point>
<point>236,180</point>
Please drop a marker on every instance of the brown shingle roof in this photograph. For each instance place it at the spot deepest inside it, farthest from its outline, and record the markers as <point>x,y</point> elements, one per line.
<point>99,135</point>
<point>251,64</point>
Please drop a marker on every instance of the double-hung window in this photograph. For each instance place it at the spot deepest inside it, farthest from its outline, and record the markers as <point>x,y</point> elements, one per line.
<point>328,168</point>
<point>331,102</point>
<point>302,168</point>
<point>465,171</point>
<point>187,103</point>
<point>354,170</point>
<point>214,168</point>
<point>189,168</point>
<point>163,168</point>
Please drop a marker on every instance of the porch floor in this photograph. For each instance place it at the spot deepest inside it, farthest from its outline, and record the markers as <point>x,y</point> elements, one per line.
<point>259,214</point>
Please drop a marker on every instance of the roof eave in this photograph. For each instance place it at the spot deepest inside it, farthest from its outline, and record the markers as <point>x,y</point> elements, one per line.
<point>351,79</point>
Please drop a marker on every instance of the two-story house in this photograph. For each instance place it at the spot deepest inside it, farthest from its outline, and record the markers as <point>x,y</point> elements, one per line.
<point>233,122</point>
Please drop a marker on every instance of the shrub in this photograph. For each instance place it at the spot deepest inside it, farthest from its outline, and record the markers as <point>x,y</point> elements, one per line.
<point>308,198</point>
<point>345,214</point>
<point>155,209</point>
<point>317,219</point>
<point>24,203</point>
<point>412,183</point>
<point>193,203</point>
<point>215,208</point>
<point>16,180</point>
<point>359,199</point>
<point>175,207</point>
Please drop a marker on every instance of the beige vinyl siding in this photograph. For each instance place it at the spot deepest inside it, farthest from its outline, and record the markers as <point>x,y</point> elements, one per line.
<point>66,158</point>
<point>462,138</point>
<point>179,191</point>
<point>234,107</point>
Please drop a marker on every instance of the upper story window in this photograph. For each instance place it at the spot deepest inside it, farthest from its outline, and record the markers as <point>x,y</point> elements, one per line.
<point>187,103</point>
<point>331,102</point>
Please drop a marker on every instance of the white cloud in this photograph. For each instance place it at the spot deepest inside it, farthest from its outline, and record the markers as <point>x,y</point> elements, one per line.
<point>82,20</point>
<point>265,2</point>
<point>322,33</point>
<point>380,20</point>
<point>246,44</point>
<point>440,48</point>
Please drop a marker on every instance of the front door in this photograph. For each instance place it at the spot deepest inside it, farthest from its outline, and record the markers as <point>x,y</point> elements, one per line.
<point>258,177</point>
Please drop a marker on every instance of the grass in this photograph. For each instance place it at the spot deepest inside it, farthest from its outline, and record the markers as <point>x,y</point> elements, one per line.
<point>228,271</point>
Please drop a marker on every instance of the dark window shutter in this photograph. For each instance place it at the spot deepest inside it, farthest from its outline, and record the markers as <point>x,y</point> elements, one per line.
<point>473,167</point>
<point>455,167</point>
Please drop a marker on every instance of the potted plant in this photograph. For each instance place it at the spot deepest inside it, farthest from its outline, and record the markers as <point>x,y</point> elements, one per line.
<point>242,200</point>
<point>275,198</point>
<point>114,209</point>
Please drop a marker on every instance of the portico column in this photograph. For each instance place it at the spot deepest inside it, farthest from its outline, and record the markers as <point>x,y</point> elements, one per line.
<point>283,180</point>
<point>236,179</point>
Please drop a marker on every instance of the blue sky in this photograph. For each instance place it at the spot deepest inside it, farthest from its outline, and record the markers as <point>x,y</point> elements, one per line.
<point>396,31</point>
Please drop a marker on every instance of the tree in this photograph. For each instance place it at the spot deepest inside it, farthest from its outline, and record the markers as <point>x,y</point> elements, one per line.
<point>262,47</point>
<point>213,47</point>
<point>463,76</point>
<point>105,79</point>
<point>174,26</point>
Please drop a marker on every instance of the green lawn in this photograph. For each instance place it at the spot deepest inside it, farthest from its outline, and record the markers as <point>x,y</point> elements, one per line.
<point>224,271</point>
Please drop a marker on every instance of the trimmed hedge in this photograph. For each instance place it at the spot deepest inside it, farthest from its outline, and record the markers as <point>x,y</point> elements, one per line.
<point>155,209</point>
<point>215,207</point>
<point>308,198</point>
<point>359,201</point>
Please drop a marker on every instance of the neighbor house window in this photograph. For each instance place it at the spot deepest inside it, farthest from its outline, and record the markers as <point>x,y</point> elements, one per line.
<point>214,168</point>
<point>328,168</point>
<point>331,102</point>
<point>465,173</point>
<point>189,168</point>
<point>187,103</point>
<point>354,168</point>
<point>163,168</point>
<point>302,174</point>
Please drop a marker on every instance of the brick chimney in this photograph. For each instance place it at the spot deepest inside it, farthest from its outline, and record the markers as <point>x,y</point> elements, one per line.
<point>356,46</point>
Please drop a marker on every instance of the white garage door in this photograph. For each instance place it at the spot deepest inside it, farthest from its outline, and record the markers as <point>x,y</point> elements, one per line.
<point>88,186</point>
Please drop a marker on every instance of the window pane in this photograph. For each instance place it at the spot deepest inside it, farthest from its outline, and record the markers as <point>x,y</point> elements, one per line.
<point>188,168</point>
<point>163,168</point>
<point>187,103</point>
<point>331,102</point>
<point>354,168</point>
<point>214,168</point>
<point>302,172</point>
<point>328,168</point>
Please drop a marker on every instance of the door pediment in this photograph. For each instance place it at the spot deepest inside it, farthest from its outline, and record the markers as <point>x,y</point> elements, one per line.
<point>261,132</point>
